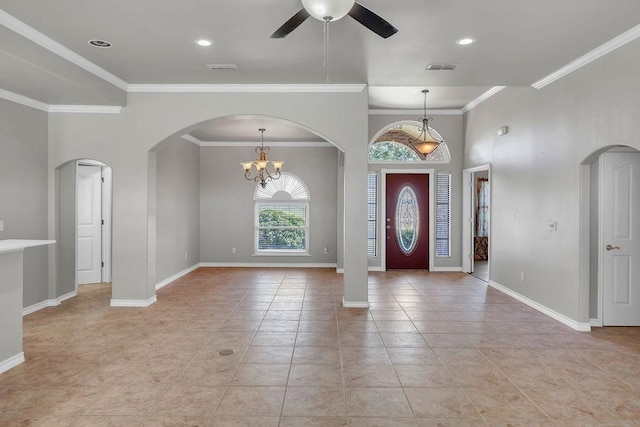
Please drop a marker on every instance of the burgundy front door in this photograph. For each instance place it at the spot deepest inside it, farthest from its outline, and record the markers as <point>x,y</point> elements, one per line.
<point>407,221</point>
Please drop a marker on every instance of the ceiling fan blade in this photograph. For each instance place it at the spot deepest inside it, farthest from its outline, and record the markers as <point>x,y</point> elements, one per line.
<point>372,21</point>
<point>291,24</point>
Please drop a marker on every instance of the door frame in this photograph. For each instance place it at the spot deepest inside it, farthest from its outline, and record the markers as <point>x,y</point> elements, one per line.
<point>383,208</point>
<point>469,217</point>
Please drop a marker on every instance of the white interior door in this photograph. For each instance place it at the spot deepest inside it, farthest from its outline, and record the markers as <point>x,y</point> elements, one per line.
<point>620,240</point>
<point>89,223</point>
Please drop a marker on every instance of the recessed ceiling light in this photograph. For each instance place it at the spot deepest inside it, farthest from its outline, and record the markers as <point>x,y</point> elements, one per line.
<point>203,42</point>
<point>465,41</point>
<point>100,43</point>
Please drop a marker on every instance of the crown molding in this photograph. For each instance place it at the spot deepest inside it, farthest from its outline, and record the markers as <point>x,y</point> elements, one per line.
<point>300,144</point>
<point>246,88</point>
<point>30,102</point>
<point>96,109</point>
<point>596,53</point>
<point>21,99</point>
<point>192,139</point>
<point>488,94</point>
<point>436,112</point>
<point>37,37</point>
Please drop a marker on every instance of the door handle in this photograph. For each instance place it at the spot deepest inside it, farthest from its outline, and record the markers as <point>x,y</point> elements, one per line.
<point>610,248</point>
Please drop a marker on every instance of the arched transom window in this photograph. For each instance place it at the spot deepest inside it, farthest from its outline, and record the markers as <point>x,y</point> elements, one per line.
<point>282,217</point>
<point>393,144</point>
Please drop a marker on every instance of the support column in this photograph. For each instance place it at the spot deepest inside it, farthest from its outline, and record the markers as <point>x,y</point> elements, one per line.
<point>355,228</point>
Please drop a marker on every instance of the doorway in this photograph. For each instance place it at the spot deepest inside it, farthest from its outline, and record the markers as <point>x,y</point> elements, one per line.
<point>408,224</point>
<point>476,230</point>
<point>618,244</point>
<point>407,221</point>
<point>93,222</point>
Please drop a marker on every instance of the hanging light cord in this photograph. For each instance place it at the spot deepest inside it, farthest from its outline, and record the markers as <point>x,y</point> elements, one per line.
<point>325,63</point>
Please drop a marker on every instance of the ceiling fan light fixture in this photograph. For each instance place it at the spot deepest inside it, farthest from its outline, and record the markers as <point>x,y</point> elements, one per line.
<point>323,9</point>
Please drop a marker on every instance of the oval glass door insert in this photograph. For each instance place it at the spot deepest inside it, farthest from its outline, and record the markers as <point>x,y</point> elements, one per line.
<point>407,220</point>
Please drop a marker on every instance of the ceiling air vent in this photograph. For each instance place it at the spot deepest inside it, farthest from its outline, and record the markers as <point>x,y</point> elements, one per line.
<point>441,67</point>
<point>224,67</point>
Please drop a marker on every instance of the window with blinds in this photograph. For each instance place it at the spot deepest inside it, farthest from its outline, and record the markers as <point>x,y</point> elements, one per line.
<point>282,216</point>
<point>372,214</point>
<point>282,226</point>
<point>443,214</point>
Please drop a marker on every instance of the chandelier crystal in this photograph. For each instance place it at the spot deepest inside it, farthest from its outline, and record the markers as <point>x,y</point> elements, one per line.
<point>262,170</point>
<point>425,143</point>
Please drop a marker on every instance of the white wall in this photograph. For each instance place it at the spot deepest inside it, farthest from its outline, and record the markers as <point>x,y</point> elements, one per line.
<point>177,207</point>
<point>227,207</point>
<point>23,190</point>
<point>535,171</point>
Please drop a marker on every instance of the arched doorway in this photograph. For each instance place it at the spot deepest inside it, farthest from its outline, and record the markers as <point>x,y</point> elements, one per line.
<point>201,207</point>
<point>83,226</point>
<point>609,245</point>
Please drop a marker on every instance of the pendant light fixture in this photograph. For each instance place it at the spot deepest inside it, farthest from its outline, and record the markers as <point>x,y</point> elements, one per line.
<point>425,143</point>
<point>258,170</point>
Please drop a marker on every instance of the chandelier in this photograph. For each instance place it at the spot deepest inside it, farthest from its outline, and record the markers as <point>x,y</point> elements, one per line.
<point>425,143</point>
<point>261,174</point>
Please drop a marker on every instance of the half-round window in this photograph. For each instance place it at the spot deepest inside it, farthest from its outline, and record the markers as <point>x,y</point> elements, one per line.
<point>393,144</point>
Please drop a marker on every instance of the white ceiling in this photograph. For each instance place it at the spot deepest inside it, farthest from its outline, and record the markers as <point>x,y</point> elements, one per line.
<point>518,43</point>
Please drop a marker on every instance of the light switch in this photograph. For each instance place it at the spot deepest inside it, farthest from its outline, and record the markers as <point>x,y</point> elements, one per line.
<point>552,226</point>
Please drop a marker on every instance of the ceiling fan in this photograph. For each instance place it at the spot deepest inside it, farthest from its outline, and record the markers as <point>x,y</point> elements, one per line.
<point>332,10</point>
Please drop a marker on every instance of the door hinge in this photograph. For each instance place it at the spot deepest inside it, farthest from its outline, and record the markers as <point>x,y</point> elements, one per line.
<point>102,222</point>
<point>102,178</point>
<point>103,264</point>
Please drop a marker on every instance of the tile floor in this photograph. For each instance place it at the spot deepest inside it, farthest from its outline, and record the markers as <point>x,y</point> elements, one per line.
<point>434,349</point>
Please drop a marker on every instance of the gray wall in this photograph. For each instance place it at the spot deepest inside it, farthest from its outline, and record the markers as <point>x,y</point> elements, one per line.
<point>123,141</point>
<point>536,171</point>
<point>177,207</point>
<point>450,128</point>
<point>227,208</point>
<point>23,190</point>
<point>66,238</point>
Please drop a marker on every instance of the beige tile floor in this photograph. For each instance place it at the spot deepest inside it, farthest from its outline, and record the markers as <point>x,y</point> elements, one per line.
<point>434,349</point>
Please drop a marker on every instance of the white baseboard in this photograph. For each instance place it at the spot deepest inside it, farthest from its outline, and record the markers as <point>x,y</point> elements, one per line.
<point>340,270</point>
<point>595,323</point>
<point>11,362</point>
<point>48,303</point>
<point>133,302</point>
<point>66,296</point>
<point>269,264</point>
<point>446,269</point>
<point>578,326</point>
<point>354,304</point>
<point>176,276</point>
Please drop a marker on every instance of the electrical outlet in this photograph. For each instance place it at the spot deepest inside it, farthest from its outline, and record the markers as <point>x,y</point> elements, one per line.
<point>1,225</point>
<point>233,250</point>
<point>522,277</point>
<point>186,255</point>
<point>326,250</point>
